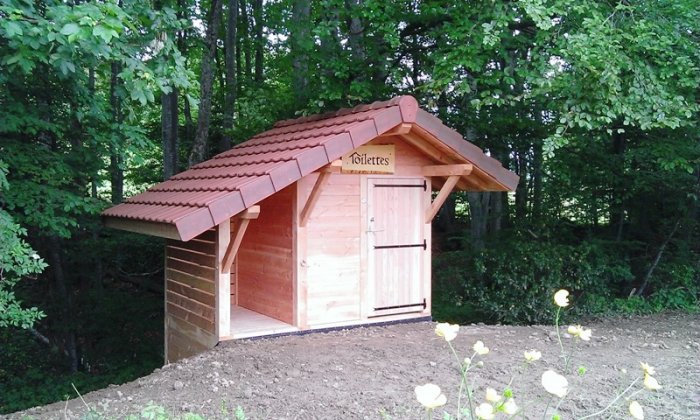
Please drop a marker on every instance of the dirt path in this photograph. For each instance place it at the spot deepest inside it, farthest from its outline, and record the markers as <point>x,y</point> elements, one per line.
<point>368,373</point>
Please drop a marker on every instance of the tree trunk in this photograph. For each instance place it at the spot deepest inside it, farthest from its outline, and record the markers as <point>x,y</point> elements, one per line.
<point>64,303</point>
<point>169,118</point>
<point>479,203</point>
<point>617,205</point>
<point>116,160</point>
<point>201,139</point>
<point>98,270</point>
<point>356,38</point>
<point>259,40</point>
<point>246,46</point>
<point>496,211</point>
<point>537,182</point>
<point>521,191</point>
<point>300,30</point>
<point>660,252</point>
<point>230,59</point>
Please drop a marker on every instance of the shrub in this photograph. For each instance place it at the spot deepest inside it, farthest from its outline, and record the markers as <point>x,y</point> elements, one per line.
<point>507,283</point>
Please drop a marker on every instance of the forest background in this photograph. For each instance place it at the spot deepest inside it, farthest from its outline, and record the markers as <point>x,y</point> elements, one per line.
<point>593,103</point>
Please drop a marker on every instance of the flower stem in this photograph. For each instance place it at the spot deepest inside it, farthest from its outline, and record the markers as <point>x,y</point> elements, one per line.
<point>462,383</point>
<point>544,414</point>
<point>561,345</point>
<point>611,402</point>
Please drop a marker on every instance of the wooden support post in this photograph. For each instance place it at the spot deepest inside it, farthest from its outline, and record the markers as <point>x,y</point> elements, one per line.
<point>222,284</point>
<point>237,236</point>
<point>461,169</point>
<point>313,197</point>
<point>454,173</point>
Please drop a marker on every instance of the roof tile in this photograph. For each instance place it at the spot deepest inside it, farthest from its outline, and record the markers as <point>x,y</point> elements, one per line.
<point>213,191</point>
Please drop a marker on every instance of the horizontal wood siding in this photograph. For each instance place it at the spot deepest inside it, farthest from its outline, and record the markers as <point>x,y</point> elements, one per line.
<point>332,260</point>
<point>189,296</point>
<point>264,264</point>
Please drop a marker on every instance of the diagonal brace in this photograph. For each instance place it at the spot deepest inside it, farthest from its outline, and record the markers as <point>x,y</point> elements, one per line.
<point>313,197</point>
<point>237,237</point>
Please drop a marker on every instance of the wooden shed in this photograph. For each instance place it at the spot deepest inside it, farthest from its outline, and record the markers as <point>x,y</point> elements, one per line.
<point>323,221</point>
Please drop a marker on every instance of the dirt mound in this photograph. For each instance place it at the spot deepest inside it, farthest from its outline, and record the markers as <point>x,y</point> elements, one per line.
<point>369,373</point>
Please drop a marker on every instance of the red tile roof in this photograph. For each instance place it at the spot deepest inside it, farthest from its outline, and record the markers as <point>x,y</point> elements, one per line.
<point>211,192</point>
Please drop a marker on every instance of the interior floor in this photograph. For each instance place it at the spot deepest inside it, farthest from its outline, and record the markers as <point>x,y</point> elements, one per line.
<point>246,323</point>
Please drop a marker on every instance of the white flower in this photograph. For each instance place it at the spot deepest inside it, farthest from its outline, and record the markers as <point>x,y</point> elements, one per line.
<point>648,370</point>
<point>467,361</point>
<point>561,299</point>
<point>492,395</point>
<point>446,330</point>
<point>580,332</point>
<point>35,256</point>
<point>485,411</point>
<point>510,407</point>
<point>651,383</point>
<point>532,355</point>
<point>480,348</point>
<point>636,410</point>
<point>430,396</point>
<point>585,334</point>
<point>554,383</point>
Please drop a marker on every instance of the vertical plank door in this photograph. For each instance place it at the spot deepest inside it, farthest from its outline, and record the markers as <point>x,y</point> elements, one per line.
<point>396,245</point>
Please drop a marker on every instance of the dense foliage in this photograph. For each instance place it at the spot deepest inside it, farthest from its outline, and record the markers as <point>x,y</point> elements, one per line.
<point>594,104</point>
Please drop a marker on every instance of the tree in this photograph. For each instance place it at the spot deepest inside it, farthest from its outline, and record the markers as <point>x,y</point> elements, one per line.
<point>230,50</point>
<point>17,260</point>
<point>201,140</point>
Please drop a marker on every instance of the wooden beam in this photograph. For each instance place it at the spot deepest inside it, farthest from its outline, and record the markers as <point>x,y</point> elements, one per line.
<point>163,230</point>
<point>250,213</point>
<point>313,197</point>
<point>333,167</point>
<point>237,237</point>
<point>402,128</point>
<point>448,170</point>
<point>441,197</point>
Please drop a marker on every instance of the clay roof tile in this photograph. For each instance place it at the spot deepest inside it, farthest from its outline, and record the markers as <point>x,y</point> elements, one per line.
<point>212,191</point>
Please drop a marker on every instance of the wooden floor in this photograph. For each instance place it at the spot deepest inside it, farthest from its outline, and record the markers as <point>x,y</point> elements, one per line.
<point>246,323</point>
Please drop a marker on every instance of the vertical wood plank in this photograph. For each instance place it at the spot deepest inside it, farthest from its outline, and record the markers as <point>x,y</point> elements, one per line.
<point>222,282</point>
<point>265,264</point>
<point>427,258</point>
<point>166,352</point>
<point>365,296</point>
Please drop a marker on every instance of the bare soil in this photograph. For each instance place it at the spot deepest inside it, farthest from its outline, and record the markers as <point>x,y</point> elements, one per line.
<point>370,373</point>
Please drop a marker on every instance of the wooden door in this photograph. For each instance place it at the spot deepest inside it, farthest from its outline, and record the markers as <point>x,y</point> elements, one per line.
<point>396,245</point>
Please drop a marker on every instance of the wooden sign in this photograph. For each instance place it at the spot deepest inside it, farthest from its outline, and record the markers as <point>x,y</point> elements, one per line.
<point>379,159</point>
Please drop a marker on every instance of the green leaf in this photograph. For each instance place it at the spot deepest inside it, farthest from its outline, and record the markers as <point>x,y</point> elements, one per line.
<point>12,29</point>
<point>70,29</point>
<point>105,33</point>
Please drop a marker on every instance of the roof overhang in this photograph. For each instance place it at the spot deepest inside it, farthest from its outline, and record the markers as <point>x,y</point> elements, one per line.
<point>209,193</point>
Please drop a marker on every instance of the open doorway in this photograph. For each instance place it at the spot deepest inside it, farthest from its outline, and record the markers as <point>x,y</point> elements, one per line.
<point>262,290</point>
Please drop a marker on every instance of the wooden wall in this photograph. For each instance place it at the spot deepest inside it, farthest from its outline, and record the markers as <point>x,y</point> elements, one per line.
<point>330,262</point>
<point>264,273</point>
<point>190,296</point>
<point>332,256</point>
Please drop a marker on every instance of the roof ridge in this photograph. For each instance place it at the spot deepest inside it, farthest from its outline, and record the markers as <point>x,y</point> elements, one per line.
<point>343,111</point>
